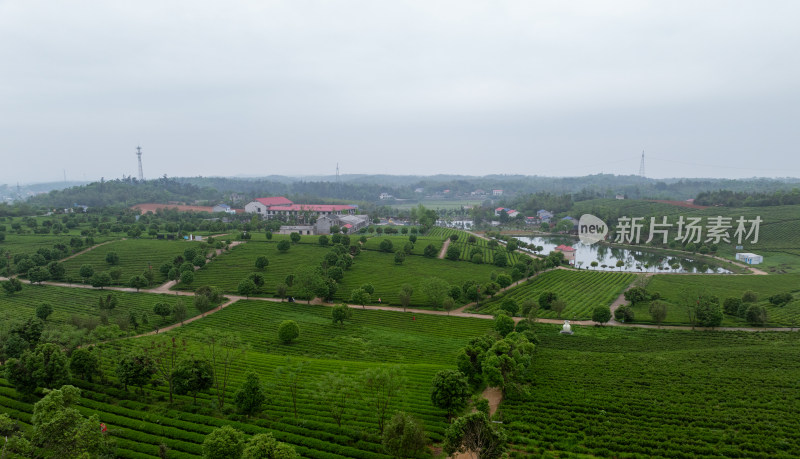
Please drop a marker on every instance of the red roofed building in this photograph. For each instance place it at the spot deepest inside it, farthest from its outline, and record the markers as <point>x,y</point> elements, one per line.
<point>569,252</point>
<point>279,206</point>
<point>275,201</point>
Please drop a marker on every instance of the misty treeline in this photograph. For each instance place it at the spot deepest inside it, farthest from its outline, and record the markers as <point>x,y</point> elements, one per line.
<point>525,193</point>
<point>729,198</point>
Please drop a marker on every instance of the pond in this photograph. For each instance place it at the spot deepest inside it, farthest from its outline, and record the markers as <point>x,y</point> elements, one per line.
<point>634,260</point>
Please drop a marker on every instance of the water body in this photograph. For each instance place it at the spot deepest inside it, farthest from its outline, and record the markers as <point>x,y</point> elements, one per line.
<point>635,260</point>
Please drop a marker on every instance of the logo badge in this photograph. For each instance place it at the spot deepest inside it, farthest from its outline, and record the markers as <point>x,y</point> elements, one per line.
<point>591,229</point>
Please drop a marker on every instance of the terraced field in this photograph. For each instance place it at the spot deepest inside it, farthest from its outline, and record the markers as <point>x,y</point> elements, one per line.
<point>380,270</point>
<point>581,290</point>
<point>135,256</point>
<point>614,392</point>
<point>420,348</point>
<point>69,303</point>
<point>672,288</point>
<point>227,270</point>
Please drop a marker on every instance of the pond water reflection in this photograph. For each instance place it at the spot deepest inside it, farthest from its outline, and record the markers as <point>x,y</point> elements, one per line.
<point>634,260</point>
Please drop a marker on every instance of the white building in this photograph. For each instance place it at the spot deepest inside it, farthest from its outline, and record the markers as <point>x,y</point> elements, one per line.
<point>749,258</point>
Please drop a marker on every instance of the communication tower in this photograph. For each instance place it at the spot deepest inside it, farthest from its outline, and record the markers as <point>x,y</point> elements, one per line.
<point>141,174</point>
<point>641,166</point>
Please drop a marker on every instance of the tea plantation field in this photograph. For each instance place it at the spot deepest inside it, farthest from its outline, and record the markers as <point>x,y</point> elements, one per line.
<point>135,256</point>
<point>419,348</point>
<point>618,392</point>
<point>380,270</point>
<point>673,288</point>
<point>82,304</point>
<point>581,290</point>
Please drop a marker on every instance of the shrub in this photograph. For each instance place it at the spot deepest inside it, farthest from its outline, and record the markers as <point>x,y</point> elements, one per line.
<point>288,331</point>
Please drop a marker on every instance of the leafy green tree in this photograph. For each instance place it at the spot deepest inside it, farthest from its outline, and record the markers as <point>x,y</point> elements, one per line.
<point>51,366</point>
<point>403,436</point>
<point>406,290</point>
<point>62,431</point>
<point>624,314</point>
<point>112,258</point>
<point>636,295</point>
<point>262,262</point>
<point>187,277</point>
<point>749,296</point>
<point>100,280</point>
<point>84,363</point>
<point>601,314</point>
<point>448,304</point>
<point>166,355</point>
<point>163,310</point>
<point>510,307</point>
<point>281,289</point>
<point>288,331</point>
<point>340,313</point>
<point>504,280</point>
<point>474,433</point>
<point>86,271</point>
<point>295,237</point>
<point>223,350</point>
<point>14,346</point>
<point>43,310</point>
<point>250,397</point>
<point>246,287</point>
<point>380,387</point>
<point>503,324</point>
<point>336,391</point>
<point>21,373</point>
<point>283,245</point>
<point>546,299</point>
<point>708,311</point>
<point>12,285</point>
<point>193,376</point>
<point>137,282</point>
<point>453,252</point>
<point>323,240</point>
<point>430,251</point>
<point>179,311</point>
<point>450,391</point>
<point>399,257</point>
<point>264,446</point>
<point>558,306</point>
<point>658,311</point>
<point>435,289</point>
<point>38,275</point>
<point>223,443</point>
<point>292,376</point>
<point>756,315</point>
<point>308,283</point>
<point>386,245</point>
<point>359,296</point>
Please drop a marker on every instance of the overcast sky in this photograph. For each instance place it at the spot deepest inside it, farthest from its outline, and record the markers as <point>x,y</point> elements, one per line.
<point>706,88</point>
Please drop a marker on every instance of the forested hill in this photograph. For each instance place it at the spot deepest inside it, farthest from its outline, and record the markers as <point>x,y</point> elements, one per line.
<point>125,193</point>
<point>528,192</point>
<point>744,199</point>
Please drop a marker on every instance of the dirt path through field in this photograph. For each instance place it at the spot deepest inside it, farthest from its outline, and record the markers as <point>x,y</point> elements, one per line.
<point>88,249</point>
<point>443,252</point>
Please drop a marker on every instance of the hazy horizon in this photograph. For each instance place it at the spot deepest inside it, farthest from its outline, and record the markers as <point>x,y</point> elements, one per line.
<point>707,90</point>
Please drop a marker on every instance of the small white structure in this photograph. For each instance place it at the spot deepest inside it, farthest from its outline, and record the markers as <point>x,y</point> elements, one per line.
<point>750,258</point>
<point>567,328</point>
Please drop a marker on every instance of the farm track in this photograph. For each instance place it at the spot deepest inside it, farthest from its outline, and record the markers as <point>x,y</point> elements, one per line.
<point>443,252</point>
<point>88,249</point>
<point>455,313</point>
